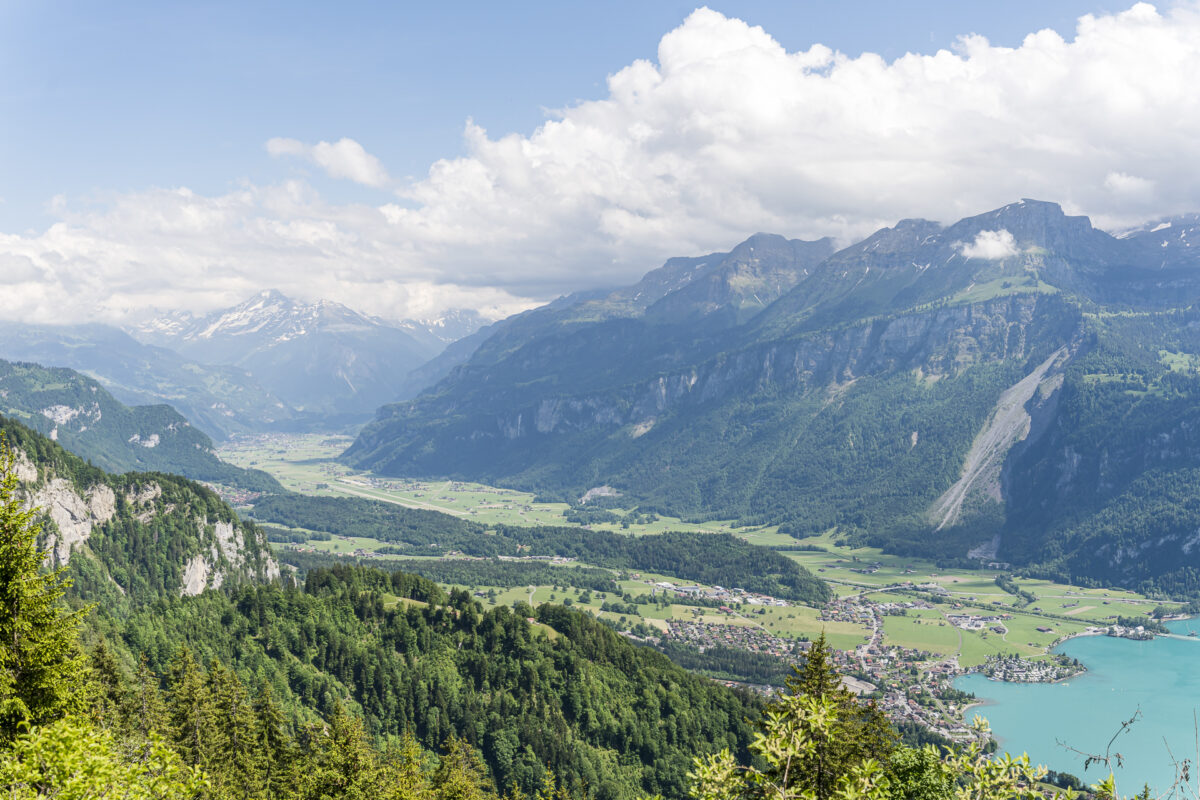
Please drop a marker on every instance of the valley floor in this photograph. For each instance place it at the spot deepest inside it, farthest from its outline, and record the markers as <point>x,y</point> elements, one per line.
<point>904,629</point>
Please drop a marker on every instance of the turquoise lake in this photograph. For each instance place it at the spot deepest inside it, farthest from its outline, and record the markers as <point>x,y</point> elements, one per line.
<point>1161,677</point>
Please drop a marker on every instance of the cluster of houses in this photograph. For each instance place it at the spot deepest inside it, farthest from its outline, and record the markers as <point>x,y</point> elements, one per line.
<point>720,593</point>
<point>236,497</point>
<point>901,707</point>
<point>1014,669</point>
<point>703,635</point>
<point>1138,632</point>
<point>840,610</point>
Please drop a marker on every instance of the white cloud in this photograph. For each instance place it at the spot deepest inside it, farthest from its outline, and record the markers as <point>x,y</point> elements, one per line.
<point>991,246</point>
<point>167,249</point>
<point>343,159</point>
<point>726,134</point>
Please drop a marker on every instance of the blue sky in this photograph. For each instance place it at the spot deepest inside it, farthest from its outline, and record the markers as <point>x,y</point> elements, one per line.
<point>104,97</point>
<point>407,158</point>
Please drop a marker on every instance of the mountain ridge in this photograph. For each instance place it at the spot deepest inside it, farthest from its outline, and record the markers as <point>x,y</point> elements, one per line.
<point>78,413</point>
<point>879,365</point>
<point>320,358</point>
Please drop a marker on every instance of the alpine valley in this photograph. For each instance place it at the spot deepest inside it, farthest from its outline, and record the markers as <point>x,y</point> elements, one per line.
<point>1017,387</point>
<point>640,541</point>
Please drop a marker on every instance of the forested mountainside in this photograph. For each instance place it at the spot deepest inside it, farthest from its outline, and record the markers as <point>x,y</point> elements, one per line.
<point>322,359</point>
<point>1005,387</point>
<point>527,690</point>
<point>78,413</point>
<point>136,536</point>
<point>219,400</point>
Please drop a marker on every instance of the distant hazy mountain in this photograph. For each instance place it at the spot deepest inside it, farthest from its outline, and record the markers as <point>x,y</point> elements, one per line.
<point>321,358</point>
<point>78,413</point>
<point>220,400</point>
<point>1016,386</point>
<point>448,327</point>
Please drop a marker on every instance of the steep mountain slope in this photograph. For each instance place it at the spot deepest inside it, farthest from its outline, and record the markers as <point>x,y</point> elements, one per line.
<point>529,689</point>
<point>139,535</point>
<point>903,389</point>
<point>218,400</point>
<point>82,416</point>
<point>322,358</point>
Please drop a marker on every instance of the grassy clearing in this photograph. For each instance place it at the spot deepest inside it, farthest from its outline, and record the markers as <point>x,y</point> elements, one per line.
<point>1000,287</point>
<point>306,463</point>
<point>922,630</point>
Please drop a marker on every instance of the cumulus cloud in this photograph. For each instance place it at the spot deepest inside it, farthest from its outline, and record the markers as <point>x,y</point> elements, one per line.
<point>991,246</point>
<point>343,159</point>
<point>167,249</point>
<point>724,134</point>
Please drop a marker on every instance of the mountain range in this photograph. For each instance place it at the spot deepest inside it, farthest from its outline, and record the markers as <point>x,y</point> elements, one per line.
<point>1018,386</point>
<point>267,364</point>
<point>321,359</point>
<point>220,400</point>
<point>78,413</point>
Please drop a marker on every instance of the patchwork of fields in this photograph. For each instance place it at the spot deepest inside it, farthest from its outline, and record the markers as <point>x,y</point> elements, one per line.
<point>305,463</point>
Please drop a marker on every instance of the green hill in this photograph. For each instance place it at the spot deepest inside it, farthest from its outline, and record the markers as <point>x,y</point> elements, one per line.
<point>78,413</point>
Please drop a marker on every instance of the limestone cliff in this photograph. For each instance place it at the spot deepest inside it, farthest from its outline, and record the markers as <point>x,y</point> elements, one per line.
<point>144,535</point>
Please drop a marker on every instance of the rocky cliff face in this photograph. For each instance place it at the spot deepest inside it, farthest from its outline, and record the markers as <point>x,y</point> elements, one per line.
<point>938,343</point>
<point>1000,386</point>
<point>145,534</point>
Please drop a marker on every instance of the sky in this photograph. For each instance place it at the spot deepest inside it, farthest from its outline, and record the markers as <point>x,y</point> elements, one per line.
<point>408,158</point>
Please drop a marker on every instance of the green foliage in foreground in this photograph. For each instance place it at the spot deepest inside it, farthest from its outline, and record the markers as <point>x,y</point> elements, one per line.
<point>70,759</point>
<point>41,674</point>
<point>815,743</point>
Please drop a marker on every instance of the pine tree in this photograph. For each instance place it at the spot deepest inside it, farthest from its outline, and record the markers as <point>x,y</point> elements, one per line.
<point>344,763</point>
<point>406,774</point>
<point>277,748</point>
<point>860,733</point>
<point>190,712</point>
<point>146,707</point>
<point>241,762</point>
<point>461,774</point>
<point>42,671</point>
<point>110,696</point>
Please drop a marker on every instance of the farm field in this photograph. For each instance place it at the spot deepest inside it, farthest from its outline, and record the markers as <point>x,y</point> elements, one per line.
<point>306,463</point>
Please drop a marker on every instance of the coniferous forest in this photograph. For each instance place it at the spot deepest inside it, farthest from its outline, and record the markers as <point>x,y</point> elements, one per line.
<point>357,683</point>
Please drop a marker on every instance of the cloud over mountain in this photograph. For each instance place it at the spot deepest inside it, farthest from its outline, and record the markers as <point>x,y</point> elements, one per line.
<point>725,134</point>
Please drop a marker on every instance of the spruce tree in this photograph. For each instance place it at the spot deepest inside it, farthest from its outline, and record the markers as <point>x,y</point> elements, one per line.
<point>461,774</point>
<point>190,711</point>
<point>344,764</point>
<point>277,748</point>
<point>240,761</point>
<point>146,705</point>
<point>42,671</point>
<point>861,732</point>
